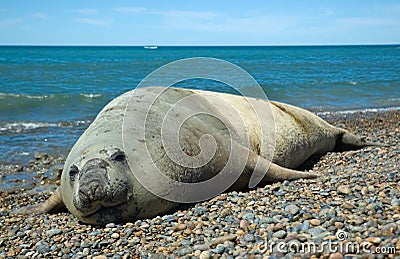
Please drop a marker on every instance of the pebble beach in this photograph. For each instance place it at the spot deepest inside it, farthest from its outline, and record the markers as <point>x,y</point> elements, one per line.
<point>351,210</point>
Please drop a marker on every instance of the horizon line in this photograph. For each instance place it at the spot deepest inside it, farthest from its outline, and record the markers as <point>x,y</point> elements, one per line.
<point>198,45</point>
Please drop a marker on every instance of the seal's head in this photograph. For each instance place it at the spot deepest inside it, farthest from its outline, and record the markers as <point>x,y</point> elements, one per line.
<point>96,187</point>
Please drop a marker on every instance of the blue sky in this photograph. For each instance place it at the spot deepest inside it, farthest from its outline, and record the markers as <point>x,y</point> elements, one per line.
<point>206,22</point>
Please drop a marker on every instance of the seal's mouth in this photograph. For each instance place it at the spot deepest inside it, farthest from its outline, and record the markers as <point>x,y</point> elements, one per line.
<point>106,215</point>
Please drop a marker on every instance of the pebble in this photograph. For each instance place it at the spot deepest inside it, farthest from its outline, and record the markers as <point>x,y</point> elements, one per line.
<point>364,190</point>
<point>53,232</point>
<point>375,240</point>
<point>336,256</point>
<point>244,224</point>
<point>280,234</point>
<point>248,238</point>
<point>343,189</point>
<point>315,231</point>
<point>357,192</point>
<point>248,216</point>
<point>315,222</point>
<point>292,209</point>
<point>222,239</point>
<point>205,255</point>
<point>339,225</point>
<point>395,202</point>
<point>305,225</point>
<point>181,227</point>
<point>220,249</point>
<point>42,249</point>
<point>110,225</point>
<point>348,205</point>
<point>115,235</point>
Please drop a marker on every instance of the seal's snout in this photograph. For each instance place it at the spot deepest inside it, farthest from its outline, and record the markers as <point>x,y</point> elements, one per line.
<point>92,191</point>
<point>93,182</point>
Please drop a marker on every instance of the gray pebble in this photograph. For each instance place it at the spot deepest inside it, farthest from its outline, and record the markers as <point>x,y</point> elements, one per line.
<point>201,247</point>
<point>42,249</point>
<point>248,216</point>
<point>219,249</point>
<point>184,251</point>
<point>292,209</point>
<point>53,232</point>
<point>170,219</point>
<point>85,245</point>
<point>249,238</point>
<point>185,242</point>
<point>280,234</point>
<point>110,225</point>
<point>86,251</point>
<point>395,202</point>
<point>305,226</point>
<point>134,240</point>
<point>315,231</point>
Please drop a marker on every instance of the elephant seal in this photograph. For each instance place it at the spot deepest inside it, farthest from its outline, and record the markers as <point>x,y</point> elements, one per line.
<point>98,186</point>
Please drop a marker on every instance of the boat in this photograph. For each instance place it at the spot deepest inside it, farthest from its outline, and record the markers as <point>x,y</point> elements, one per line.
<point>150,47</point>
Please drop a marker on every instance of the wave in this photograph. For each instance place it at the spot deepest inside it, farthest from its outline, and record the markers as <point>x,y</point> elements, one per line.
<point>26,126</point>
<point>365,110</point>
<point>45,96</point>
<point>92,95</point>
<point>60,102</point>
<point>13,95</point>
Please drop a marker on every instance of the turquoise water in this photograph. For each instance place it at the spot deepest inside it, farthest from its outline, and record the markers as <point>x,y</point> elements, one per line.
<point>49,95</point>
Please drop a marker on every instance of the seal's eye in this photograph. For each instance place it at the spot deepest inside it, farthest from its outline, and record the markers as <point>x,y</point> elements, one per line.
<point>73,172</point>
<point>118,156</point>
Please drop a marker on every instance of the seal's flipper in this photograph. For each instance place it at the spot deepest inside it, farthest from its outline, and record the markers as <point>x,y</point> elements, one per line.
<point>349,141</point>
<point>265,171</point>
<point>51,205</point>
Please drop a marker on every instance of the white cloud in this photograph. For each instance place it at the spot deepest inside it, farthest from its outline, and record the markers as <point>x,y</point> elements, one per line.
<point>95,22</point>
<point>188,14</point>
<point>216,22</point>
<point>86,11</point>
<point>130,10</point>
<point>10,22</point>
<point>39,15</point>
<point>326,12</point>
<point>367,21</point>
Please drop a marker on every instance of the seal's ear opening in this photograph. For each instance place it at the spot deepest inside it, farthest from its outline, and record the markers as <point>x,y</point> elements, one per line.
<point>347,141</point>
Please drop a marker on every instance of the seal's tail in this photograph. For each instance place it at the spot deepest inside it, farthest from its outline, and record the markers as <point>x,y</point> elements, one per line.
<point>349,141</point>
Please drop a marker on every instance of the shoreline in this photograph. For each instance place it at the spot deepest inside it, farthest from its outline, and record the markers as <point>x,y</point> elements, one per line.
<point>358,193</point>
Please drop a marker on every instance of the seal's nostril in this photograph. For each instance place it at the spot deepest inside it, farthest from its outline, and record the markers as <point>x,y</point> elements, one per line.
<point>92,191</point>
<point>83,195</point>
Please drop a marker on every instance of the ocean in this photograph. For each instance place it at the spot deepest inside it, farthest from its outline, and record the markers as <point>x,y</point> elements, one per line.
<point>49,95</point>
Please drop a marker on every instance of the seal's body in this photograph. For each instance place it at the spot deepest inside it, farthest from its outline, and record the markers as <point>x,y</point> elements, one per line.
<point>98,185</point>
